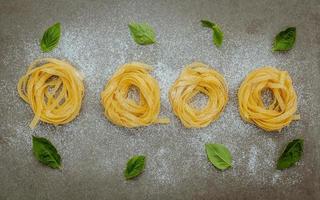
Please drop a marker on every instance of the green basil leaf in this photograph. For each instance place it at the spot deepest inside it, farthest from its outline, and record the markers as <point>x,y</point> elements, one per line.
<point>45,152</point>
<point>50,38</point>
<point>219,156</point>
<point>285,40</point>
<point>217,34</point>
<point>142,33</point>
<point>207,24</point>
<point>291,154</point>
<point>135,166</point>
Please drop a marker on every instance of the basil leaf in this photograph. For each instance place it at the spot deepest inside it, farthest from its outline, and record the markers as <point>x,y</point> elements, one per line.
<point>285,40</point>
<point>135,166</point>
<point>207,24</point>
<point>217,34</point>
<point>142,33</point>
<point>219,156</point>
<point>50,38</point>
<point>291,154</point>
<point>45,152</point>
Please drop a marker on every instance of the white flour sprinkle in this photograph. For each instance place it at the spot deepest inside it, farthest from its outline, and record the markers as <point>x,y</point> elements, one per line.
<point>252,165</point>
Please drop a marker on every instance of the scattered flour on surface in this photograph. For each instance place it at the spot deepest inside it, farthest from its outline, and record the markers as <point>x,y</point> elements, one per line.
<point>252,165</point>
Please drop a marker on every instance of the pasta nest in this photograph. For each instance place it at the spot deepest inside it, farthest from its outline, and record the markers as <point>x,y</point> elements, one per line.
<point>53,89</point>
<point>198,77</point>
<point>281,111</point>
<point>124,111</point>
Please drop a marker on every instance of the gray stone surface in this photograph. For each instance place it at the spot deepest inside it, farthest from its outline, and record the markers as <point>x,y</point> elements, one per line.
<point>95,38</point>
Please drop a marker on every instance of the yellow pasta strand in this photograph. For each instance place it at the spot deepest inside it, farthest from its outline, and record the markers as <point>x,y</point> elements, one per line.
<point>54,90</point>
<point>198,77</point>
<point>281,111</point>
<point>123,111</point>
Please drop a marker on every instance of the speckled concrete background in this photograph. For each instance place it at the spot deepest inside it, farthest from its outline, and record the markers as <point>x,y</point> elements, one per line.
<point>95,38</point>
